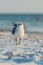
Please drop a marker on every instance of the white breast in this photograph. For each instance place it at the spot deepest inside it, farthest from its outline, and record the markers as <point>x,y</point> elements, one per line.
<point>19,32</point>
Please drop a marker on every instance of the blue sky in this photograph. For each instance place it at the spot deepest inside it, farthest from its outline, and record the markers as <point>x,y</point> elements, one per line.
<point>21,6</point>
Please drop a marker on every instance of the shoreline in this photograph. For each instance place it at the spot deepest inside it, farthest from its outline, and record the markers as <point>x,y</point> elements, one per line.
<point>31,35</point>
<point>27,32</point>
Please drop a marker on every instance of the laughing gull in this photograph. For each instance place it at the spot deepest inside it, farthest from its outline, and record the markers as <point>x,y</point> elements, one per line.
<point>18,31</point>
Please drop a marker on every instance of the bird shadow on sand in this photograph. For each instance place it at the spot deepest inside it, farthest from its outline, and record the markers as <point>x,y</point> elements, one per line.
<point>19,59</point>
<point>23,60</point>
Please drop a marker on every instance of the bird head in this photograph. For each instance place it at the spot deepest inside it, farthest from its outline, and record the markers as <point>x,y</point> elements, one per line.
<point>21,24</point>
<point>14,24</point>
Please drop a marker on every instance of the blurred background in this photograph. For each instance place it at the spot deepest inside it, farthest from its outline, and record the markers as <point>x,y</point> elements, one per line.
<point>33,22</point>
<point>28,11</point>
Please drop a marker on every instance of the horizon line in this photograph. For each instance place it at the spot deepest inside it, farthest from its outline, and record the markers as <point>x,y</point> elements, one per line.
<point>21,14</point>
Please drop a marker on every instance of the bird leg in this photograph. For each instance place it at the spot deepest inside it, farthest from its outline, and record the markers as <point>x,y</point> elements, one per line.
<point>19,40</point>
<point>16,41</point>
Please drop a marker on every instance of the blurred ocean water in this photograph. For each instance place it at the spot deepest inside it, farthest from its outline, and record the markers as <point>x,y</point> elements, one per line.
<point>33,22</point>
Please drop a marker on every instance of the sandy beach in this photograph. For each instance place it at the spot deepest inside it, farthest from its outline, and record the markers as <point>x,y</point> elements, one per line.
<point>29,52</point>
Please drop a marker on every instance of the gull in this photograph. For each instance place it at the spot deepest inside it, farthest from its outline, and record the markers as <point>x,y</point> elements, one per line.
<point>18,31</point>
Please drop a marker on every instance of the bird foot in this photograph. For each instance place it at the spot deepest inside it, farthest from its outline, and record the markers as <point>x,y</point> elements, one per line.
<point>17,44</point>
